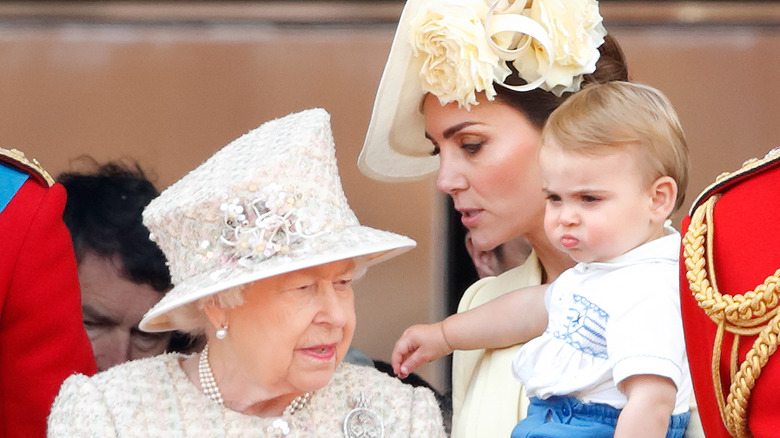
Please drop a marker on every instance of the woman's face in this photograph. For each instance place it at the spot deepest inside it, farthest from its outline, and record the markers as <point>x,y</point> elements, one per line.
<point>294,329</point>
<point>489,166</point>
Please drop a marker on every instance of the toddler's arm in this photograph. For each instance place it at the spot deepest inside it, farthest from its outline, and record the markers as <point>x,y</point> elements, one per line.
<point>650,404</point>
<point>514,317</point>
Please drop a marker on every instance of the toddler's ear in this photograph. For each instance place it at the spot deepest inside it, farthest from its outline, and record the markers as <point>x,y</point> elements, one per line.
<point>663,194</point>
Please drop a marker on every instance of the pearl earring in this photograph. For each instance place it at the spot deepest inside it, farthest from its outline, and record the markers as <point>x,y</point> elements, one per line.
<point>221,332</point>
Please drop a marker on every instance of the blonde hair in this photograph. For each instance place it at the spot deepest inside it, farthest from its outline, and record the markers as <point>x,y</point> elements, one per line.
<point>602,117</point>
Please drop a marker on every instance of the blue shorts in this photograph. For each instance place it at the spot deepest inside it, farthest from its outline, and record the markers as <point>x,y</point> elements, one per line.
<point>566,417</point>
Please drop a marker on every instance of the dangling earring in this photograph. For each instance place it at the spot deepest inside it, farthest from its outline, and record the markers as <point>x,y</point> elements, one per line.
<point>221,332</point>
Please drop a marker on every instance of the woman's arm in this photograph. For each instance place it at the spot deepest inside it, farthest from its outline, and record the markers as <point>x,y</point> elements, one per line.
<point>515,317</point>
<point>650,404</point>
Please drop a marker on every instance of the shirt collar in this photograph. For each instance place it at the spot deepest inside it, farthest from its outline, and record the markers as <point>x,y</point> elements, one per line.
<point>666,247</point>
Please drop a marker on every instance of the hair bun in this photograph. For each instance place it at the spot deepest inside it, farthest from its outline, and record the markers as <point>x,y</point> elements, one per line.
<point>611,66</point>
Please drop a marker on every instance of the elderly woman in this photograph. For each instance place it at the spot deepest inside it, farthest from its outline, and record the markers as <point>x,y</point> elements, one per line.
<point>263,250</point>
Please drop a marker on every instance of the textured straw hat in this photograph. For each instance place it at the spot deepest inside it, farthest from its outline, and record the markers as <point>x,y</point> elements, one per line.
<point>268,203</point>
<point>456,48</point>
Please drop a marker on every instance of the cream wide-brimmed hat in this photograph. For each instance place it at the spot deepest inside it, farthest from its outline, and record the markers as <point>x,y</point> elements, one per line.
<point>268,203</point>
<point>456,48</point>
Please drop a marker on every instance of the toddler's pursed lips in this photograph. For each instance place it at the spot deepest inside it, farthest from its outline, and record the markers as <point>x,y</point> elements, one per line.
<point>568,241</point>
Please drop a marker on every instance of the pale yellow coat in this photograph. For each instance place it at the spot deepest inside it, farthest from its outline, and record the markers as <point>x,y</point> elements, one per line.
<point>487,401</point>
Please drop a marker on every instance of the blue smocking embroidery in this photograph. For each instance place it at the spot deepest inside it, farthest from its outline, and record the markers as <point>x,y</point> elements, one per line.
<point>586,328</point>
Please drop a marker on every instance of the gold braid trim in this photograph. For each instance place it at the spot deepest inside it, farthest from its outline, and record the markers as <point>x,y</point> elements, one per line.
<point>755,312</point>
<point>16,157</point>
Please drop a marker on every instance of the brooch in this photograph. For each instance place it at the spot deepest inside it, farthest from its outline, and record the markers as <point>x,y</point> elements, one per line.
<point>362,421</point>
<point>279,428</point>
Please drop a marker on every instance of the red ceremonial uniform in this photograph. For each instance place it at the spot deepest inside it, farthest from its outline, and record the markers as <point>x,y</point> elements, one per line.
<point>42,337</point>
<point>730,296</point>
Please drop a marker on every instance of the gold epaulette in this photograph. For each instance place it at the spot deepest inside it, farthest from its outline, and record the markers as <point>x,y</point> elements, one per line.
<point>17,159</point>
<point>743,313</point>
<point>727,179</point>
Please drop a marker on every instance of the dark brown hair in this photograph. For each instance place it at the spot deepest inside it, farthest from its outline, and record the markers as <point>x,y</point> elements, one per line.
<point>103,215</point>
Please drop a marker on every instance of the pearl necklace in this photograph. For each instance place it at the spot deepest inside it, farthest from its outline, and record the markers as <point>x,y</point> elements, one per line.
<point>207,381</point>
<point>211,390</point>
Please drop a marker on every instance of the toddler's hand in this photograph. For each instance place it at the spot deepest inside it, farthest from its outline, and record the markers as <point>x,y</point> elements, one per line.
<point>419,344</point>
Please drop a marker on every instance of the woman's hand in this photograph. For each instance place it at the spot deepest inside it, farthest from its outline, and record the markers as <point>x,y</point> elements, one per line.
<point>419,344</point>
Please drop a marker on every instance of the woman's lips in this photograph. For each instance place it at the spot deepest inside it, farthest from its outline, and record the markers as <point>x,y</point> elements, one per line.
<point>322,352</point>
<point>469,217</point>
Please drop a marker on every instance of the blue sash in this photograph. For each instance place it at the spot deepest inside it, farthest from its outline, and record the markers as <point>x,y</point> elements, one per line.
<point>11,181</point>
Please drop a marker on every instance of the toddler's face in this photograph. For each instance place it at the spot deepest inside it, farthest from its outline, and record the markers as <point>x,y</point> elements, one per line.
<point>598,206</point>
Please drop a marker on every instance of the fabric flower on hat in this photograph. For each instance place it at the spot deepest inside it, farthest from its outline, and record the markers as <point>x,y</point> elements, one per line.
<point>268,224</point>
<point>458,58</point>
<point>457,62</point>
<point>576,30</point>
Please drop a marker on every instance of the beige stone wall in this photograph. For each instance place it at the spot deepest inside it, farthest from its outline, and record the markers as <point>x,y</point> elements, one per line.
<point>171,84</point>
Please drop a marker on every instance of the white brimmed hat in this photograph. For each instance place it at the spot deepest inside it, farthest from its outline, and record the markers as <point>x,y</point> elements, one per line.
<point>268,203</point>
<point>456,48</point>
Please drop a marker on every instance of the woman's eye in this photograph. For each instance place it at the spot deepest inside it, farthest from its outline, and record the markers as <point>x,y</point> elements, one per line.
<point>305,287</point>
<point>472,148</point>
<point>553,198</point>
<point>435,151</point>
<point>343,284</point>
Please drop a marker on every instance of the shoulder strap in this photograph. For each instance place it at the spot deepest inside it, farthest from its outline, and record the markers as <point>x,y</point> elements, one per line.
<point>15,158</point>
<point>726,180</point>
<point>11,181</point>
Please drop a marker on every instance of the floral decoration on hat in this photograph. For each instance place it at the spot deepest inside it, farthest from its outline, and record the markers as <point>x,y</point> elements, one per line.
<point>451,41</point>
<point>267,224</point>
<point>456,49</point>
<point>461,46</point>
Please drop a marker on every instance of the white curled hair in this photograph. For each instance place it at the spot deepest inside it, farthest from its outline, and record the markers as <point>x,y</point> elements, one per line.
<point>192,319</point>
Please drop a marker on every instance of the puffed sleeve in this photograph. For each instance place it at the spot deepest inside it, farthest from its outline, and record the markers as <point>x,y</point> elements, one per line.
<point>41,330</point>
<point>80,410</point>
<point>646,334</point>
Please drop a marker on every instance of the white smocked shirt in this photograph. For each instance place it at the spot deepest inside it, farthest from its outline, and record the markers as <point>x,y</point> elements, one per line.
<point>609,321</point>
